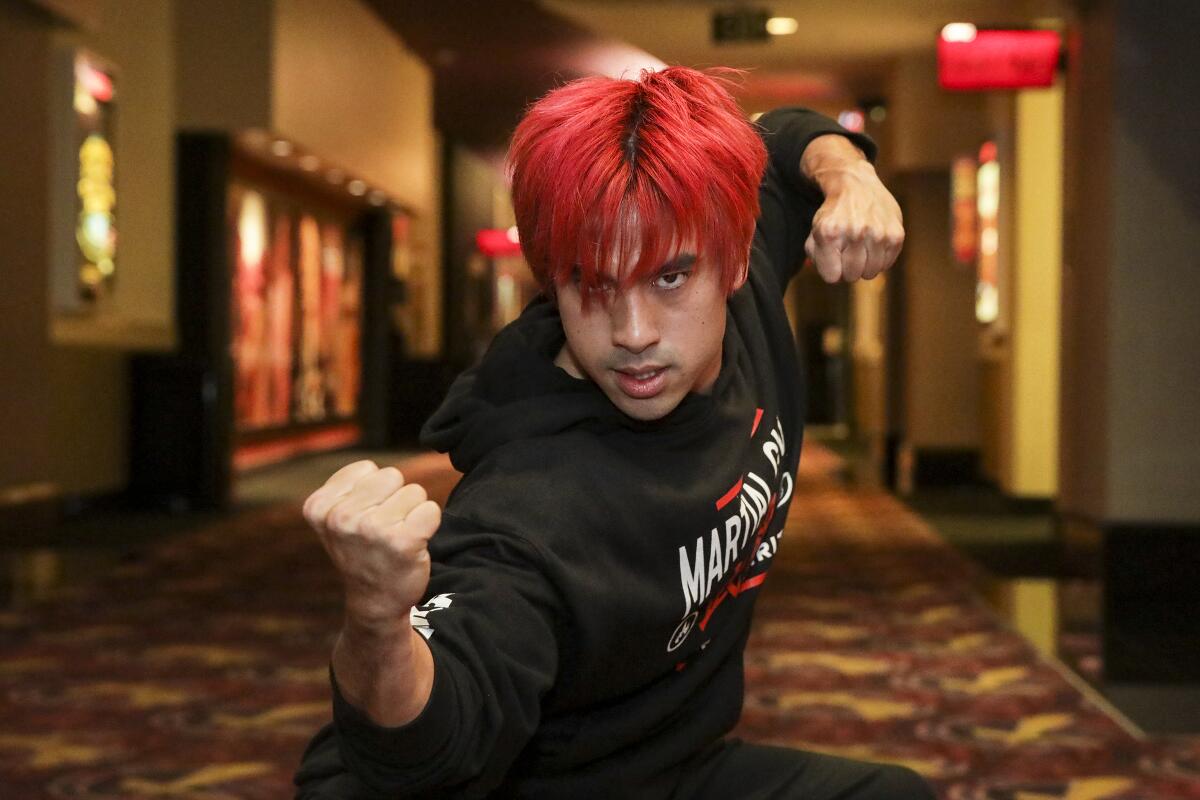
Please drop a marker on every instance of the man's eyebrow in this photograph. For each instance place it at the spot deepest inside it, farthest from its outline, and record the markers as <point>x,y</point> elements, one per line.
<point>679,262</point>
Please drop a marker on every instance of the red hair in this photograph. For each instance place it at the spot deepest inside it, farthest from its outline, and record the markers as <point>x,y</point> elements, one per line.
<point>603,167</point>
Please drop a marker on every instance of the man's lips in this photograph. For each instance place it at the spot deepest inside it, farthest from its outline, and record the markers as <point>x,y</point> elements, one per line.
<point>642,382</point>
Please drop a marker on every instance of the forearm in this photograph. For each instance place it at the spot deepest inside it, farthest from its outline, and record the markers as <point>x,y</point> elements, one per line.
<point>834,163</point>
<point>386,671</point>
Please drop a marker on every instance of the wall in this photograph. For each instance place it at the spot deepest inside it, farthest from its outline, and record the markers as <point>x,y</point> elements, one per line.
<point>199,66</point>
<point>1087,244</point>
<point>928,125</point>
<point>939,382</point>
<point>941,362</point>
<point>1131,384</point>
<point>25,408</point>
<point>223,64</point>
<point>65,404</point>
<point>1036,293</point>
<point>136,38</point>
<point>88,371</point>
<point>1154,377</point>
<point>353,94</point>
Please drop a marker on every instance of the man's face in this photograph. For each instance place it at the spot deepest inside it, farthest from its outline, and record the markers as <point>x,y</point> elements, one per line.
<point>648,345</point>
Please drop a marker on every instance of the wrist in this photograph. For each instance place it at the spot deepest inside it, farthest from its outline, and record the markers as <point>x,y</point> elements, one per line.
<point>830,160</point>
<point>376,630</point>
<point>387,673</point>
<point>834,178</point>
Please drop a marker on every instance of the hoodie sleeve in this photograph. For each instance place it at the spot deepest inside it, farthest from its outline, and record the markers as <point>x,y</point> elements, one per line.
<point>787,199</point>
<point>490,620</point>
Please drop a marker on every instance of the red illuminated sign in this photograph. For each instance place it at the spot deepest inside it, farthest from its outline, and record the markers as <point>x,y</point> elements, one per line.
<point>497,242</point>
<point>991,59</point>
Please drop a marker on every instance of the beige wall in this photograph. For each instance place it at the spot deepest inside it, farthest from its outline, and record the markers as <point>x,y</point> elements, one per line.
<point>941,359</point>
<point>353,94</point>
<point>135,38</point>
<point>348,91</point>
<point>223,64</point>
<point>1036,293</point>
<point>65,403</point>
<point>928,126</point>
<point>967,386</point>
<point>25,402</point>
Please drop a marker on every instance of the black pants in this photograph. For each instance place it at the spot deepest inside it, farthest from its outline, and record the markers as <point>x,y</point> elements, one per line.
<point>734,770</point>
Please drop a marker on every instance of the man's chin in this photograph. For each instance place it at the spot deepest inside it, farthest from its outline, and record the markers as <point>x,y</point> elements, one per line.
<point>649,409</point>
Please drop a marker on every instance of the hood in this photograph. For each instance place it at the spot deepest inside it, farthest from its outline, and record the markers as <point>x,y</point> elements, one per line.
<point>516,392</point>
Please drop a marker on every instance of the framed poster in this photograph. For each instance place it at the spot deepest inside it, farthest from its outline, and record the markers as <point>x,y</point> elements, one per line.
<point>84,180</point>
<point>987,287</point>
<point>297,310</point>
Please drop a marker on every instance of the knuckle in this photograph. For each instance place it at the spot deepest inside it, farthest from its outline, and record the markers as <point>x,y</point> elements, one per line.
<point>371,525</point>
<point>341,520</point>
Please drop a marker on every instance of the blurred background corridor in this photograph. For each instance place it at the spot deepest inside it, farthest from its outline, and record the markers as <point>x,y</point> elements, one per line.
<point>250,241</point>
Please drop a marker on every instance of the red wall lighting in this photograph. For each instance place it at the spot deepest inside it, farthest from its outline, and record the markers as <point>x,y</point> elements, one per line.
<point>497,242</point>
<point>970,59</point>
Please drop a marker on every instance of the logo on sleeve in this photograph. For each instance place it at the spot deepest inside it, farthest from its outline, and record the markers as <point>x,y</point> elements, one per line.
<point>419,616</point>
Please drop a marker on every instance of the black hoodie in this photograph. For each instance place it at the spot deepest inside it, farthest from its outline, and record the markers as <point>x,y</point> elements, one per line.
<point>594,576</point>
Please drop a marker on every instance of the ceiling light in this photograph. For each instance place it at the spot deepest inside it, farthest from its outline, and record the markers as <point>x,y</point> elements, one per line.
<point>357,188</point>
<point>281,148</point>
<point>376,198</point>
<point>959,32</point>
<point>310,163</point>
<point>782,26</point>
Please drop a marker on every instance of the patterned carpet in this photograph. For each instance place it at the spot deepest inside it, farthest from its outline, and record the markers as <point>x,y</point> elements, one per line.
<point>200,671</point>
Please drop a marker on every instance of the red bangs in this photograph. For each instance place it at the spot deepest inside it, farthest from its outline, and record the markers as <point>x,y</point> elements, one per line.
<point>623,174</point>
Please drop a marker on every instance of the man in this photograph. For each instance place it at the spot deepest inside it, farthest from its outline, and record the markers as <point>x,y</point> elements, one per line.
<point>628,448</point>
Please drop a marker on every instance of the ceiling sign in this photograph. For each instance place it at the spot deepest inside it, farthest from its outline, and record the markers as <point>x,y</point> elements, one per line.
<point>973,59</point>
<point>741,25</point>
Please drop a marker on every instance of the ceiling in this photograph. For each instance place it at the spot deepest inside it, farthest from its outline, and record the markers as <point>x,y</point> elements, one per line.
<point>491,58</point>
<point>843,49</point>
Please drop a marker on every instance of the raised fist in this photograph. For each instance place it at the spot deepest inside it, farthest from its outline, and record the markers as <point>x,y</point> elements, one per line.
<point>376,529</point>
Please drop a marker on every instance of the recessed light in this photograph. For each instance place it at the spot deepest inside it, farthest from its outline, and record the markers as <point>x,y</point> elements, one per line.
<point>782,26</point>
<point>959,32</point>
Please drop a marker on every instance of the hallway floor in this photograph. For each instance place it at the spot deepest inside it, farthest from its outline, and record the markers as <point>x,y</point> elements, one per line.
<point>136,663</point>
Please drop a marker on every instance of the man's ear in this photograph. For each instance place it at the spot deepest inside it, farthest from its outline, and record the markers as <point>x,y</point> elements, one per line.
<point>743,275</point>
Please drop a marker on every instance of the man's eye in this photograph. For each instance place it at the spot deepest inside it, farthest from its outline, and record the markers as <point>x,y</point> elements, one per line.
<point>671,280</point>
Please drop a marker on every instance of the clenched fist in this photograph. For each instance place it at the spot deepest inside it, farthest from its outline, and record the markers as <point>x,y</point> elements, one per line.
<point>376,529</point>
<point>858,231</point>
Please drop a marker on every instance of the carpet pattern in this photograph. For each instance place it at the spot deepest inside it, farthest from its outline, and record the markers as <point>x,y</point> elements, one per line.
<point>200,670</point>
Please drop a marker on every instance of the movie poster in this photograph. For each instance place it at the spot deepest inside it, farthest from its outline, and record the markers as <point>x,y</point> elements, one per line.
<point>297,312</point>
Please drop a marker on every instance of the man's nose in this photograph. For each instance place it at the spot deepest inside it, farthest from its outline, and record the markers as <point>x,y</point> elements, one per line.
<point>634,320</point>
